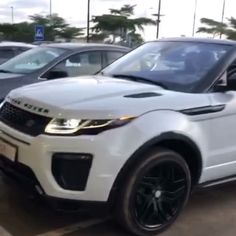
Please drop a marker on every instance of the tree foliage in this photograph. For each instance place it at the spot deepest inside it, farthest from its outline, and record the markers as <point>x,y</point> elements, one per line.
<point>216,28</point>
<point>126,10</point>
<point>55,27</point>
<point>121,26</point>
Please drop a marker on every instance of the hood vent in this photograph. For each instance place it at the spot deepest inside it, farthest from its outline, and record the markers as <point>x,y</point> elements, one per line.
<point>143,95</point>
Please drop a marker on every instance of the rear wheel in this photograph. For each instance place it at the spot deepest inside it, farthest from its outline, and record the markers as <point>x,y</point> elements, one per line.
<point>154,193</point>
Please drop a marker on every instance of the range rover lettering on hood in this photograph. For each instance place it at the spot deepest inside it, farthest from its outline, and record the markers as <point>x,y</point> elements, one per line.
<point>37,109</point>
<point>14,101</point>
<point>28,106</point>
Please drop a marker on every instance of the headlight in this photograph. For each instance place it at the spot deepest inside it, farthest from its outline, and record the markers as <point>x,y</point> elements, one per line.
<point>89,127</point>
<point>63,126</point>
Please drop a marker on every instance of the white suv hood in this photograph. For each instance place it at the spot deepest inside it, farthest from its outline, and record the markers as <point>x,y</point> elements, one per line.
<point>100,97</point>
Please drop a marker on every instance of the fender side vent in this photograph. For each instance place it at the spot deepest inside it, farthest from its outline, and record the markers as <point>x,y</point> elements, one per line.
<point>143,95</point>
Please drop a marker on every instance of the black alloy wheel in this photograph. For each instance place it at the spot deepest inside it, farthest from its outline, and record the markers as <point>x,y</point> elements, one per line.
<point>155,193</point>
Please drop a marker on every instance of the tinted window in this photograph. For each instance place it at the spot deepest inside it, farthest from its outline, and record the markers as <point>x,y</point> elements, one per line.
<point>87,63</point>
<point>6,53</point>
<point>112,56</point>
<point>22,49</point>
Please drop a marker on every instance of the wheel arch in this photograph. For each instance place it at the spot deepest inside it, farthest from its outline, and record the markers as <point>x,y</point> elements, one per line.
<point>179,143</point>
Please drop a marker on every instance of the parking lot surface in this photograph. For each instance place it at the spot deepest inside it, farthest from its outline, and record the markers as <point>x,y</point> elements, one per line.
<point>211,212</point>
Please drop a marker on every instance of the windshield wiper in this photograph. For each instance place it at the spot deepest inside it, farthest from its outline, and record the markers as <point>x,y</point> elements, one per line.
<point>5,71</point>
<point>139,79</point>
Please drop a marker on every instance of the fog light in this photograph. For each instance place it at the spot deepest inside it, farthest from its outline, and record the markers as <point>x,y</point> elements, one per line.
<point>71,170</point>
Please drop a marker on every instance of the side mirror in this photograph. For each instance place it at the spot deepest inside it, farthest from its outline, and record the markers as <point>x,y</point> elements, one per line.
<point>231,82</point>
<point>222,84</point>
<point>55,74</point>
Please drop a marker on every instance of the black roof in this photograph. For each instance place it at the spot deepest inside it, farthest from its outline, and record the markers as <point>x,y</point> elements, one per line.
<point>200,40</point>
<point>75,46</point>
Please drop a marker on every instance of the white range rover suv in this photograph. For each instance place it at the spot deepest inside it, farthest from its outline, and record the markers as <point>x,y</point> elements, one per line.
<point>138,137</point>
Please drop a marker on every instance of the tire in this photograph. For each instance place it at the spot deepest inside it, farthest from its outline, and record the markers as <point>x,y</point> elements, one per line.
<point>154,193</point>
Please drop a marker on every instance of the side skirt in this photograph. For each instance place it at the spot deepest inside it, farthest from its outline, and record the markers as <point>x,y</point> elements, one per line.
<point>216,182</point>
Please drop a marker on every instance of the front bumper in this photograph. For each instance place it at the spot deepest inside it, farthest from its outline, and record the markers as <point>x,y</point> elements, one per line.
<point>24,176</point>
<point>109,150</point>
<point>21,174</point>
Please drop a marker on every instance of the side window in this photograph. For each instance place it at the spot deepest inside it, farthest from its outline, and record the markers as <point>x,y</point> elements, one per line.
<point>7,53</point>
<point>113,55</point>
<point>86,63</point>
<point>21,49</point>
<point>231,70</point>
<point>227,79</point>
<point>230,78</point>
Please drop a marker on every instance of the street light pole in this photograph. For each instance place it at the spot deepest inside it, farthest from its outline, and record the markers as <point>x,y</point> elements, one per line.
<point>88,22</point>
<point>223,12</point>
<point>158,19</point>
<point>223,15</point>
<point>194,17</point>
<point>12,15</point>
<point>50,9</point>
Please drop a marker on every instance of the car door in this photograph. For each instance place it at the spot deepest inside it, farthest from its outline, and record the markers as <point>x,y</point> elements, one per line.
<point>83,63</point>
<point>221,153</point>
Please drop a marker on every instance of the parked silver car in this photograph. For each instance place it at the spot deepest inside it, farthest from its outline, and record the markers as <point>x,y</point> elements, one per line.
<point>9,50</point>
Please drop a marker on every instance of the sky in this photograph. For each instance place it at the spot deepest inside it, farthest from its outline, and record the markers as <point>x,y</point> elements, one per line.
<point>177,19</point>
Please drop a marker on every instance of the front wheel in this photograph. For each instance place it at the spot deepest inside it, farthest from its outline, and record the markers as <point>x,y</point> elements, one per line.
<point>154,193</point>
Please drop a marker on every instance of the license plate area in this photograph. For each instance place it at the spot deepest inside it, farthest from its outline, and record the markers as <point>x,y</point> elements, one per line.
<point>8,150</point>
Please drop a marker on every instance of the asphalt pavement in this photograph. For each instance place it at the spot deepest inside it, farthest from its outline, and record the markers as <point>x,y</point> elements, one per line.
<point>209,212</point>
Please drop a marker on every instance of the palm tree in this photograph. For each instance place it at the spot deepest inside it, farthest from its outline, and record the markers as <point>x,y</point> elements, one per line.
<point>217,28</point>
<point>120,24</point>
<point>231,31</point>
<point>212,27</point>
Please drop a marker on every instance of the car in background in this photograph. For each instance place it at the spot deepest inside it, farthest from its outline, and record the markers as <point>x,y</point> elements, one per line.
<point>56,61</point>
<point>39,43</point>
<point>9,50</point>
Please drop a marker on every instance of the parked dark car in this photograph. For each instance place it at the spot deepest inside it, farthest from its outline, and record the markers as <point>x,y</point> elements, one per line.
<point>9,50</point>
<point>56,61</point>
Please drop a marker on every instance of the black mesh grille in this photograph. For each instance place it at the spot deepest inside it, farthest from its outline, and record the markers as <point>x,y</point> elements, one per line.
<point>24,121</point>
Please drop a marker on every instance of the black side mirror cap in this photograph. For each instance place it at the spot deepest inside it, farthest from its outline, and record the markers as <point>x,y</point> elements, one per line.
<point>56,75</point>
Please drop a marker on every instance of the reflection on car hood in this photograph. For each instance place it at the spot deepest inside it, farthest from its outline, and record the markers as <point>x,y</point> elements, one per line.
<point>100,97</point>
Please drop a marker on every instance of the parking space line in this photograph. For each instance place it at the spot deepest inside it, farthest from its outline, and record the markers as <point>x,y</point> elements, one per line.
<point>73,228</point>
<point>4,232</point>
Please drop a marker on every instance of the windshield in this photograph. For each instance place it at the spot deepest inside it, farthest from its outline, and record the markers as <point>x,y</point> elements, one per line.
<point>31,60</point>
<point>179,66</point>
